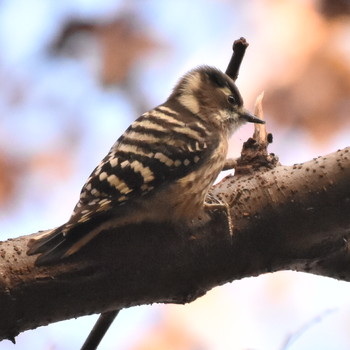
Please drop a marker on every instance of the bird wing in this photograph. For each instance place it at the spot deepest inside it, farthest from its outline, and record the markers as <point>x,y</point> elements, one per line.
<point>148,155</point>
<point>152,152</point>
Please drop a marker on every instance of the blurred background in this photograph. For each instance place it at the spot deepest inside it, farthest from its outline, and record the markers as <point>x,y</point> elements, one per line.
<point>75,73</point>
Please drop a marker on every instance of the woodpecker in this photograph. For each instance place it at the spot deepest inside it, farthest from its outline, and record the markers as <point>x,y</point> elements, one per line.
<point>160,169</point>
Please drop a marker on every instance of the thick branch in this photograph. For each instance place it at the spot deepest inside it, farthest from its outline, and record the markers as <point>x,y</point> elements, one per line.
<point>294,217</point>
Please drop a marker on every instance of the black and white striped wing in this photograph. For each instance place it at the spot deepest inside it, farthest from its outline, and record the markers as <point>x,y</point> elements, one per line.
<point>156,149</point>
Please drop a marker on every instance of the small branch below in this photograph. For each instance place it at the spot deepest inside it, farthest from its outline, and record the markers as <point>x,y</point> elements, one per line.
<point>100,328</point>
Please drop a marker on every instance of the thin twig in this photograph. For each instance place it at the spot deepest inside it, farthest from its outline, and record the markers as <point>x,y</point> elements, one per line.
<point>239,47</point>
<point>100,328</point>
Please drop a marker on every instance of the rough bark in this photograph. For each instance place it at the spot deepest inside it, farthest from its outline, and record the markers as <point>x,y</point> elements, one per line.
<point>288,217</point>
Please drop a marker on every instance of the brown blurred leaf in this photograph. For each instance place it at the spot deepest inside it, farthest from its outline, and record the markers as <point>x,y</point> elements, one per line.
<point>334,8</point>
<point>55,165</point>
<point>317,100</point>
<point>51,166</point>
<point>9,172</point>
<point>122,46</point>
<point>122,42</point>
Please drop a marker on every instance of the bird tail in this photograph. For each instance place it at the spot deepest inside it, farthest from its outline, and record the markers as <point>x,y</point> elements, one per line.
<point>50,245</point>
<point>64,240</point>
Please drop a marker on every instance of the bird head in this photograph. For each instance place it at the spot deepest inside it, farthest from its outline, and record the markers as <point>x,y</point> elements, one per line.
<point>213,96</point>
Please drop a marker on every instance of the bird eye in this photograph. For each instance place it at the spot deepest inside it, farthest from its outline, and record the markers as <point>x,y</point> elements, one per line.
<point>231,99</point>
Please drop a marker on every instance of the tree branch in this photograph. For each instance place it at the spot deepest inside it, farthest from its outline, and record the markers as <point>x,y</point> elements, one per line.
<point>289,217</point>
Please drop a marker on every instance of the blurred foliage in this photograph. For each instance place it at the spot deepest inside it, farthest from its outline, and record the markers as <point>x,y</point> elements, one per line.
<point>317,100</point>
<point>121,41</point>
<point>313,96</point>
<point>10,171</point>
<point>334,8</point>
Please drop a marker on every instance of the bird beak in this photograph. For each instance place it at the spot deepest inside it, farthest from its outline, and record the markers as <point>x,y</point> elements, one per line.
<point>244,114</point>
